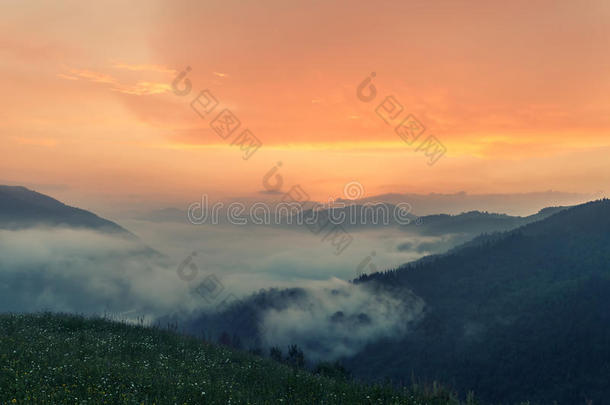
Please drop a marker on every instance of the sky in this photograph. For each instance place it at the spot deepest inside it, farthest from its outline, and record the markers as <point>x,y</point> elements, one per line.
<point>516,94</point>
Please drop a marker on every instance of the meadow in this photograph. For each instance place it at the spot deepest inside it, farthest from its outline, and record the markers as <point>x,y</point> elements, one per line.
<point>67,359</point>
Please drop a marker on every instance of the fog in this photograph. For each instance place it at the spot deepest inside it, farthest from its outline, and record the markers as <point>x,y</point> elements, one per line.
<point>60,269</point>
<point>335,319</point>
<point>82,271</point>
<point>251,258</point>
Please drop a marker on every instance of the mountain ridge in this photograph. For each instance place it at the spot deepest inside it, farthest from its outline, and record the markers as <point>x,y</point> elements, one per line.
<point>22,208</point>
<point>528,306</point>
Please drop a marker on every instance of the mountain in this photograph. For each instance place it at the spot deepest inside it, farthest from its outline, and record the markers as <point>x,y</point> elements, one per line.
<point>53,256</point>
<point>463,226</point>
<point>23,208</point>
<point>514,316</point>
<point>476,222</point>
<point>353,217</point>
<point>360,217</point>
<point>512,204</point>
<point>520,315</point>
<point>381,215</point>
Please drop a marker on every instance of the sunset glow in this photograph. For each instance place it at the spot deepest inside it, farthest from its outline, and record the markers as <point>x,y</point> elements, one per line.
<point>517,94</point>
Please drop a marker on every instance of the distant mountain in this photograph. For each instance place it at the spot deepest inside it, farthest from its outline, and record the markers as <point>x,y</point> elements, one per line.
<point>476,222</point>
<point>457,229</point>
<point>357,217</point>
<point>517,204</point>
<point>382,215</point>
<point>354,216</point>
<point>512,204</point>
<point>520,315</point>
<point>23,208</point>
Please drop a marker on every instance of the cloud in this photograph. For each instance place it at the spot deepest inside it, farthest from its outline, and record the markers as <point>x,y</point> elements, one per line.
<point>248,258</point>
<point>139,88</point>
<point>143,88</point>
<point>61,269</point>
<point>86,272</point>
<point>95,77</point>
<point>334,319</point>
<point>145,68</point>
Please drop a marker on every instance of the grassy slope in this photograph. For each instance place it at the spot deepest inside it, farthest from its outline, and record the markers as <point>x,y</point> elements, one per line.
<point>59,359</point>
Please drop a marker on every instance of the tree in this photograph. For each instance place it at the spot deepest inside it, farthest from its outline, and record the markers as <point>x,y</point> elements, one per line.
<point>333,370</point>
<point>276,354</point>
<point>295,357</point>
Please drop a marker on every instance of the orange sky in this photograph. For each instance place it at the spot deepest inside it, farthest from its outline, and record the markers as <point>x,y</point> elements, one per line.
<point>517,93</point>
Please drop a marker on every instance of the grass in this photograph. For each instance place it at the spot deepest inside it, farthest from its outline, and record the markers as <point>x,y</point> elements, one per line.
<point>67,359</point>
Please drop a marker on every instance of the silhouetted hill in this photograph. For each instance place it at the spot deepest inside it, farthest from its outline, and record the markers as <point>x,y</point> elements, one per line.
<point>382,215</point>
<point>476,222</point>
<point>520,315</point>
<point>512,204</point>
<point>24,208</point>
